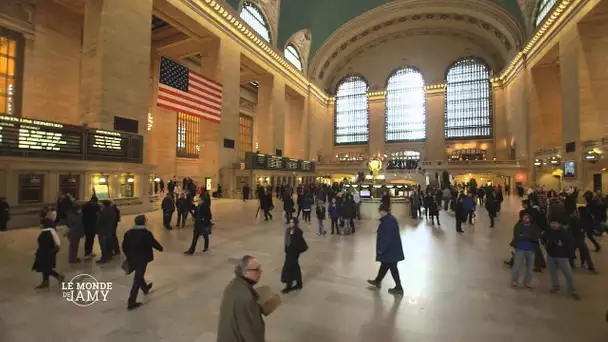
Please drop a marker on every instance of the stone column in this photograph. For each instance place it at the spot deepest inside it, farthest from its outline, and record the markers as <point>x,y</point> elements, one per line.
<point>228,74</point>
<point>115,62</point>
<point>271,114</point>
<point>377,126</point>
<point>435,122</point>
<point>501,146</point>
<point>570,59</point>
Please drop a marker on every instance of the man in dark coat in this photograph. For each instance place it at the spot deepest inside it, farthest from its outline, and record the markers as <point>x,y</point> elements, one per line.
<point>168,207</point>
<point>246,191</point>
<point>491,207</point>
<point>266,204</point>
<point>75,233</point>
<point>349,212</point>
<point>138,244</point>
<point>64,205</point>
<point>4,214</point>
<point>183,207</point>
<point>240,314</point>
<point>559,245</point>
<point>105,228</point>
<point>90,212</point>
<point>459,214</point>
<point>202,226</point>
<point>389,250</point>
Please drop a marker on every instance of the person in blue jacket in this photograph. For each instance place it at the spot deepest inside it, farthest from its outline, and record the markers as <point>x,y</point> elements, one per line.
<point>469,204</point>
<point>389,250</point>
<point>334,214</point>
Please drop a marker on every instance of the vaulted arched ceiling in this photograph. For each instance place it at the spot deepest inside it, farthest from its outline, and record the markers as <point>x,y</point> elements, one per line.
<point>324,17</point>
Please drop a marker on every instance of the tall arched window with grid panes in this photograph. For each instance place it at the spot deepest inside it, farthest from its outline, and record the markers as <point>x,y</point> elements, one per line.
<point>254,17</point>
<point>352,112</point>
<point>292,55</point>
<point>11,71</point>
<point>544,9</point>
<point>468,100</point>
<point>405,106</point>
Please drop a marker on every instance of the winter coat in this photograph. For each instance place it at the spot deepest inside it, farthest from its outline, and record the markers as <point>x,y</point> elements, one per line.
<point>48,246</point>
<point>388,241</point>
<point>106,222</point>
<point>491,206</point>
<point>468,203</point>
<point>459,211</point>
<point>307,204</point>
<point>168,204</point>
<point>76,226</point>
<point>288,204</point>
<point>559,243</point>
<point>183,205</point>
<point>90,214</point>
<point>521,234</point>
<point>266,202</point>
<point>320,212</point>
<point>202,221</point>
<point>296,245</point>
<point>334,214</point>
<point>240,314</point>
<point>349,209</point>
<point>138,244</point>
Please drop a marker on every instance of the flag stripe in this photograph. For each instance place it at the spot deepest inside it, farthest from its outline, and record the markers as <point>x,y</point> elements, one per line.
<point>210,83</point>
<point>183,109</point>
<point>189,104</point>
<point>187,91</point>
<point>163,89</point>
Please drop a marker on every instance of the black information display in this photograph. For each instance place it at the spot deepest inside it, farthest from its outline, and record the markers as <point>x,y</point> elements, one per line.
<point>36,138</point>
<point>268,162</point>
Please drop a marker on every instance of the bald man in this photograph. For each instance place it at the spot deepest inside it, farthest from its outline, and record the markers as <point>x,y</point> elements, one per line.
<point>240,314</point>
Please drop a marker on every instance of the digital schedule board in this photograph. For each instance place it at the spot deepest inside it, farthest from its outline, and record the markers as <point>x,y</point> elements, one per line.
<point>46,139</point>
<point>260,161</point>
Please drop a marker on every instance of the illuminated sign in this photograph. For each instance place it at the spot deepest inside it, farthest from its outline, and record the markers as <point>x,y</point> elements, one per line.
<point>268,162</point>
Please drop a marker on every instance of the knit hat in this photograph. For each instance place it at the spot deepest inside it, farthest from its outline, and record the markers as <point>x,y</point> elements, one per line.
<point>140,220</point>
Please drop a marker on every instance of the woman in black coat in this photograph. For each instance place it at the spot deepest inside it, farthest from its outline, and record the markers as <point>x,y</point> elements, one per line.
<point>288,206</point>
<point>294,246</point>
<point>46,254</point>
<point>491,207</point>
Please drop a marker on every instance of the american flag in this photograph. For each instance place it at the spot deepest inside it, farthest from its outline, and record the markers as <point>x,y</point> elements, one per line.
<point>185,91</point>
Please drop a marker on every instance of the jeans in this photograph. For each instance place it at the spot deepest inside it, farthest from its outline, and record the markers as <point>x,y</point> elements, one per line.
<point>181,218</point>
<point>446,203</point>
<point>321,228</point>
<point>195,235</point>
<point>167,215</point>
<point>288,214</point>
<point>384,267</point>
<point>433,219</point>
<point>306,215</point>
<point>521,257</point>
<point>139,282</point>
<point>470,215</point>
<point>564,264</point>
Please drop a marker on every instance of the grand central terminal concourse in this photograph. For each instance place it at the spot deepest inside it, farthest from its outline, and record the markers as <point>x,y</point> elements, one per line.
<point>304,170</point>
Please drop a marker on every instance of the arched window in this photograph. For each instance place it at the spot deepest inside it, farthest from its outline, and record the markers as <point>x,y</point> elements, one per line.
<point>292,55</point>
<point>544,8</point>
<point>405,106</point>
<point>351,121</point>
<point>254,18</point>
<point>468,100</point>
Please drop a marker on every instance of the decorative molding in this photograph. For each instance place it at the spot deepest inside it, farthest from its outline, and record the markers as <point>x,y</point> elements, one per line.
<point>18,15</point>
<point>247,106</point>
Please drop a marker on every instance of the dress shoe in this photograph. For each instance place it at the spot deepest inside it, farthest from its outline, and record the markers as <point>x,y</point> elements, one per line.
<point>43,285</point>
<point>374,283</point>
<point>396,291</point>
<point>188,253</point>
<point>147,290</point>
<point>132,306</point>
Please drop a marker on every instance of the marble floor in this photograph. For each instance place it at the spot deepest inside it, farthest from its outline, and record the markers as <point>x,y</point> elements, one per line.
<point>456,288</point>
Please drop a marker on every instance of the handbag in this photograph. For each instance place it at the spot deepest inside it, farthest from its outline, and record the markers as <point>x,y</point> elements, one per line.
<point>127,267</point>
<point>304,247</point>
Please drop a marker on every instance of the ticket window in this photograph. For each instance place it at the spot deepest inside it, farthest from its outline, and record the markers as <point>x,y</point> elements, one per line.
<point>31,189</point>
<point>101,189</point>
<point>70,184</point>
<point>127,186</point>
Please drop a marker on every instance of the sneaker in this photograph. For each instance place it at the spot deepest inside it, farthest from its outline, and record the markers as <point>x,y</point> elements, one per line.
<point>43,285</point>
<point>188,253</point>
<point>396,291</point>
<point>576,296</point>
<point>514,284</point>
<point>374,283</point>
<point>132,306</point>
<point>554,290</point>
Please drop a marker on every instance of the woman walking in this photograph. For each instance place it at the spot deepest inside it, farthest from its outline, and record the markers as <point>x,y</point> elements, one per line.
<point>294,246</point>
<point>48,246</point>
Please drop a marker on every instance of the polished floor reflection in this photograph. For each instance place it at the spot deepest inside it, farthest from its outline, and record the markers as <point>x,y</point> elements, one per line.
<point>456,288</point>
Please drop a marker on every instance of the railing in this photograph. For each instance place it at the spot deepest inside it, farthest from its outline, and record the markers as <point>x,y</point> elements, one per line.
<point>484,162</point>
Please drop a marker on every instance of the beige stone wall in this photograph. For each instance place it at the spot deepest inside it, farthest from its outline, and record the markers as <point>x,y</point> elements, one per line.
<point>51,68</point>
<point>545,108</point>
<point>516,95</point>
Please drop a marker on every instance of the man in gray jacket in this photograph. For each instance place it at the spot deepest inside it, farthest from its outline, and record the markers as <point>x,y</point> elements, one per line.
<point>240,314</point>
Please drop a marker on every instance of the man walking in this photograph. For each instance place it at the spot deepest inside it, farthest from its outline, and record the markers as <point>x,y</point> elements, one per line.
<point>90,211</point>
<point>240,314</point>
<point>168,207</point>
<point>183,207</point>
<point>202,226</point>
<point>138,244</point>
<point>389,250</point>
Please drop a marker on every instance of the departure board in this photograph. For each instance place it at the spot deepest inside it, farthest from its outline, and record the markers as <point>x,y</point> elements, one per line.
<point>113,146</point>
<point>269,162</point>
<point>29,137</point>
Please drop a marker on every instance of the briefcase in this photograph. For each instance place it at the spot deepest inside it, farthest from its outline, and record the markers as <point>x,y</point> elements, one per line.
<point>268,299</point>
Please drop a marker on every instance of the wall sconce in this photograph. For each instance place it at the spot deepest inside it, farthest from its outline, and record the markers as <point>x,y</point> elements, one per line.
<point>157,179</point>
<point>130,180</point>
<point>102,180</point>
<point>268,179</point>
<point>150,122</point>
<point>538,163</point>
